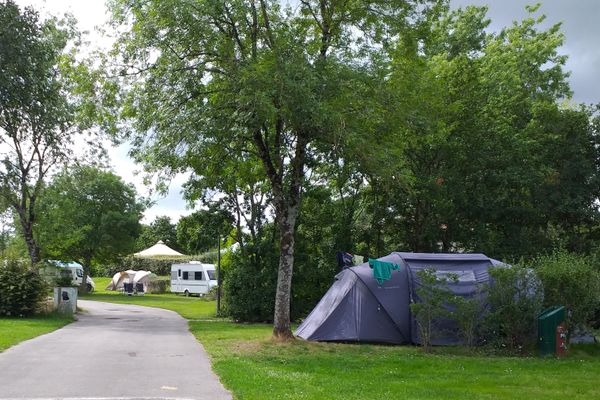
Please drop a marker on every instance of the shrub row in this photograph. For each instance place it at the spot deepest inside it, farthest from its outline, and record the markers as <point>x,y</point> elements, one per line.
<point>21,289</point>
<point>507,320</point>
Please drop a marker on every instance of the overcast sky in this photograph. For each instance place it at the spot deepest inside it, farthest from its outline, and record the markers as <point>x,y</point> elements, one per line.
<point>581,25</point>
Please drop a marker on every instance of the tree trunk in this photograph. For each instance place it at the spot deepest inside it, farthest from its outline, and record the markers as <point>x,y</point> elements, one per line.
<point>281,320</point>
<point>83,289</point>
<point>287,206</point>
<point>32,246</point>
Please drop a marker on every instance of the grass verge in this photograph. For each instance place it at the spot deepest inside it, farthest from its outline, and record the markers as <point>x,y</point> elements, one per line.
<point>187,307</point>
<point>16,330</point>
<point>254,367</point>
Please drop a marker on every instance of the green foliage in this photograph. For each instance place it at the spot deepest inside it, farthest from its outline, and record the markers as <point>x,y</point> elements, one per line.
<point>431,305</point>
<point>515,300</point>
<point>211,295</point>
<point>39,108</point>
<point>160,229</point>
<point>275,87</point>
<point>88,215</point>
<point>159,286</point>
<point>63,279</point>
<point>249,272</point>
<point>199,231</point>
<point>469,314</point>
<point>402,125</point>
<point>572,281</point>
<point>21,289</point>
<point>249,282</point>
<point>468,157</point>
<point>16,248</point>
<point>323,230</point>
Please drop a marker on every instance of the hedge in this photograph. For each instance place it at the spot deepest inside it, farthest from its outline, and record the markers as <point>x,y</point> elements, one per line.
<point>21,289</point>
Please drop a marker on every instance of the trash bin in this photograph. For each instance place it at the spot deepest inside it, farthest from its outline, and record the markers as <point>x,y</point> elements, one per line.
<point>552,333</point>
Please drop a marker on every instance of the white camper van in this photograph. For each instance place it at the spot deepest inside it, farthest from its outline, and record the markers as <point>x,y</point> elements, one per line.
<point>193,278</point>
<point>75,271</point>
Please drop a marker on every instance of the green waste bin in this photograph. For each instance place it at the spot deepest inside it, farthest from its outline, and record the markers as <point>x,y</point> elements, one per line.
<point>548,322</point>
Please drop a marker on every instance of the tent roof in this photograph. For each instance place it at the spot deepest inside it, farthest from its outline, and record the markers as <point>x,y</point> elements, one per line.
<point>443,256</point>
<point>159,249</point>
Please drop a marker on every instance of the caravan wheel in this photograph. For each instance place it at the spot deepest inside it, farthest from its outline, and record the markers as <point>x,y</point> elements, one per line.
<point>186,293</point>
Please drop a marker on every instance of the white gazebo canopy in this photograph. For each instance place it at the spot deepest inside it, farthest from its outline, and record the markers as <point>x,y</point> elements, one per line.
<point>159,249</point>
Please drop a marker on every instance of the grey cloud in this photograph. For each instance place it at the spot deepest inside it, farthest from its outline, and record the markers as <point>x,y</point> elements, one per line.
<point>580,24</point>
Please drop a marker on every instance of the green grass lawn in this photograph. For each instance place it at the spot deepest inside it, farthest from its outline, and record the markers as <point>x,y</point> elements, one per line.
<point>187,307</point>
<point>15,330</point>
<point>254,367</point>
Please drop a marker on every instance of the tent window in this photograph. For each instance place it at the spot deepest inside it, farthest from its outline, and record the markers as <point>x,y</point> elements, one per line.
<point>185,275</point>
<point>198,275</point>
<point>461,276</point>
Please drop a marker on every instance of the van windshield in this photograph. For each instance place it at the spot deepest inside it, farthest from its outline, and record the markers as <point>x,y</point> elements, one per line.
<point>211,274</point>
<point>79,273</point>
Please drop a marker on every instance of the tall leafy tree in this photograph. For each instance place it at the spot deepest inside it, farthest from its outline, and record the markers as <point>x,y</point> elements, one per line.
<point>160,229</point>
<point>201,230</point>
<point>37,118</point>
<point>88,215</point>
<point>248,75</point>
<point>488,149</point>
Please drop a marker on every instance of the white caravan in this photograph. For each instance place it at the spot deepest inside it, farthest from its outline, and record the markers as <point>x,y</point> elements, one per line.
<point>75,271</point>
<point>193,278</point>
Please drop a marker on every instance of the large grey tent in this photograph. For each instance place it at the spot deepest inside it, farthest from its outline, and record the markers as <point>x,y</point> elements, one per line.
<point>357,308</point>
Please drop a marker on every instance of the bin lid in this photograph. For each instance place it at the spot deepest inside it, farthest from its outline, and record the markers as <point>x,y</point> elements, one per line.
<point>553,312</point>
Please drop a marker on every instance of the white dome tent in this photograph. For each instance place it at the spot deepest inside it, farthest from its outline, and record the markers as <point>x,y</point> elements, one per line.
<point>130,276</point>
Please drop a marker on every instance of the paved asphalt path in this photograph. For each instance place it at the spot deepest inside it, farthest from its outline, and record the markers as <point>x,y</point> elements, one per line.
<point>113,351</point>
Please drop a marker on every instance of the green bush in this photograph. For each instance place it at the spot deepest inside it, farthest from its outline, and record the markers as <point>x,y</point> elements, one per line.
<point>211,295</point>
<point>433,296</point>
<point>250,279</point>
<point>249,285</point>
<point>515,301</point>
<point>158,286</point>
<point>21,290</point>
<point>63,279</point>
<point>469,314</point>
<point>570,280</point>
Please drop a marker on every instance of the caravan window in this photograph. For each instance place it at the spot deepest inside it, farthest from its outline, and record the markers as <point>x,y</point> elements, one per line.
<point>178,272</point>
<point>79,273</point>
<point>198,275</point>
<point>185,275</point>
<point>211,274</point>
